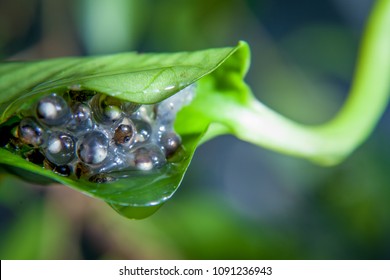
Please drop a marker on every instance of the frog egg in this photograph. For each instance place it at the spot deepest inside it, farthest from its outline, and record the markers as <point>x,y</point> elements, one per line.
<point>148,157</point>
<point>30,133</point>
<point>60,148</point>
<point>130,107</point>
<point>80,95</point>
<point>106,109</point>
<point>53,110</point>
<point>93,147</point>
<point>81,118</point>
<point>169,142</point>
<point>124,134</point>
<point>62,170</point>
<point>144,130</point>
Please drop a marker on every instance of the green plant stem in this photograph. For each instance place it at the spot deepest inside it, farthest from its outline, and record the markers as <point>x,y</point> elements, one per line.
<point>331,142</point>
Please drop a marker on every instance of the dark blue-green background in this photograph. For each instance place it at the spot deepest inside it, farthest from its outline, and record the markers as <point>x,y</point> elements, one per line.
<point>237,201</point>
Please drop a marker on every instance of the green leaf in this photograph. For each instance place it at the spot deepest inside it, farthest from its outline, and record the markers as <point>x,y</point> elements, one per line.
<point>140,78</point>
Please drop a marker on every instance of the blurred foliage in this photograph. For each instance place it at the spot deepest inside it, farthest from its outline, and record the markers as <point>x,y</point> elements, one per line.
<point>237,201</point>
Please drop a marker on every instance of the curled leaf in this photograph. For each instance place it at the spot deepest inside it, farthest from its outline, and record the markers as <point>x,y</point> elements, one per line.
<point>137,78</point>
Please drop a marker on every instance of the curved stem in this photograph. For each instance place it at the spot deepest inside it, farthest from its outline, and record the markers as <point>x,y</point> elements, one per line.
<point>331,142</point>
<point>370,90</point>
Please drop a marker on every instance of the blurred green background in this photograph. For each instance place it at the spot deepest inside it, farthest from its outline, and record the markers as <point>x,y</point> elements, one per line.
<point>237,201</point>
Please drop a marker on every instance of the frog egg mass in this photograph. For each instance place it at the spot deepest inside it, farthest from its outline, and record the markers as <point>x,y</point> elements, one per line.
<point>93,136</point>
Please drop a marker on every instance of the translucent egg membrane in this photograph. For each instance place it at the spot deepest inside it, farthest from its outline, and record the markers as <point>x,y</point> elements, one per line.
<point>89,135</point>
